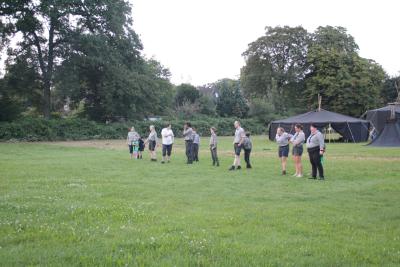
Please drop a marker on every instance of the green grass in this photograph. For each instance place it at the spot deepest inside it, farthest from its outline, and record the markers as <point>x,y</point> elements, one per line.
<point>69,206</point>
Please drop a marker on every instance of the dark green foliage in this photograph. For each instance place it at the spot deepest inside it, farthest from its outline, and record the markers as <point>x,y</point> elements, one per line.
<point>186,93</point>
<point>39,129</point>
<point>390,92</point>
<point>348,83</point>
<point>276,65</point>
<point>230,101</point>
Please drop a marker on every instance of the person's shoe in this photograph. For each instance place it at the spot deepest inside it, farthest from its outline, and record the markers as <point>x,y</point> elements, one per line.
<point>283,172</point>
<point>321,178</point>
<point>248,166</point>
<point>299,176</point>
<point>239,167</point>
<point>232,168</point>
<point>189,162</point>
<point>295,175</point>
<point>213,163</point>
<point>313,178</point>
<point>217,164</point>
<point>162,162</point>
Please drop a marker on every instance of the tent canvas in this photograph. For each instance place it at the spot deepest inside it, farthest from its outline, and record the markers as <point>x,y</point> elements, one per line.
<point>352,129</point>
<point>378,117</point>
<point>389,136</point>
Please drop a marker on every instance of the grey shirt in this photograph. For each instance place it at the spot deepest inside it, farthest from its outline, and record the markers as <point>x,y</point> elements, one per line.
<point>298,138</point>
<point>213,140</point>
<point>152,136</point>
<point>283,139</point>
<point>247,143</point>
<point>239,134</point>
<point>132,137</point>
<point>315,140</point>
<point>196,138</point>
<point>188,134</point>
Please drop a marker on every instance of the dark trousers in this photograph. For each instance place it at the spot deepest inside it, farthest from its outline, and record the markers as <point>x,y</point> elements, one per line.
<point>195,152</point>
<point>247,157</point>
<point>189,151</point>
<point>315,160</point>
<point>214,156</point>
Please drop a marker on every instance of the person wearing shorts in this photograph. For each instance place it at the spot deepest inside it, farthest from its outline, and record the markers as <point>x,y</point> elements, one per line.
<point>152,141</point>
<point>167,136</point>
<point>133,142</point>
<point>282,139</point>
<point>297,151</point>
<point>237,145</point>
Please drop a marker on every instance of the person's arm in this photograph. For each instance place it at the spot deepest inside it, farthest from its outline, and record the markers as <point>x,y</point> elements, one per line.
<point>321,143</point>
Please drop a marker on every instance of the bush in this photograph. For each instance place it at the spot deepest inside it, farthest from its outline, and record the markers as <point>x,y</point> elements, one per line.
<point>39,129</point>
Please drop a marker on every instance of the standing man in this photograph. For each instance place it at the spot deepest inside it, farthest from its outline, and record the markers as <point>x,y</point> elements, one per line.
<point>167,136</point>
<point>237,145</point>
<point>213,146</point>
<point>316,149</point>
<point>196,144</point>
<point>188,137</point>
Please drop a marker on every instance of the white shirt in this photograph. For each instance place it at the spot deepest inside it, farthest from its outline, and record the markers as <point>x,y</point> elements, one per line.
<point>167,136</point>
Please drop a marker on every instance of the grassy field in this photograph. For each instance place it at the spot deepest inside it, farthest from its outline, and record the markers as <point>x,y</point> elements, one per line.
<point>87,204</point>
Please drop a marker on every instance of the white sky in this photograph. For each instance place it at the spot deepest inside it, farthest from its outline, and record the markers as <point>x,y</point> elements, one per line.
<point>202,41</point>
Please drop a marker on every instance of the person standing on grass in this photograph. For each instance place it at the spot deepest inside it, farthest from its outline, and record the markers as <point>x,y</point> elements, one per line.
<point>237,145</point>
<point>282,138</point>
<point>213,146</point>
<point>141,148</point>
<point>196,144</point>
<point>133,142</point>
<point>247,146</point>
<point>167,136</point>
<point>316,149</point>
<point>188,137</point>
<point>152,141</point>
<point>297,151</point>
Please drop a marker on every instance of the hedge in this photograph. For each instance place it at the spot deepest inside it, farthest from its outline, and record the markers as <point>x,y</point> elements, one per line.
<point>39,129</point>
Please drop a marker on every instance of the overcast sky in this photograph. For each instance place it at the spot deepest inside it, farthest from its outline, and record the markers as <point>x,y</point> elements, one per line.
<point>202,41</point>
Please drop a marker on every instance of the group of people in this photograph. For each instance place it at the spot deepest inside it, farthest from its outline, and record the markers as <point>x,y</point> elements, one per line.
<point>315,147</point>
<point>136,144</point>
<point>314,143</point>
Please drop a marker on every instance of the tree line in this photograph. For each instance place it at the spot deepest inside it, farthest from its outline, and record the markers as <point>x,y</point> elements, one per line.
<point>84,59</point>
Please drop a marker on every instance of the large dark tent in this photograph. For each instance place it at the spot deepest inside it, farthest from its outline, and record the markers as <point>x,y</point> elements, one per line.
<point>351,129</point>
<point>389,136</point>
<point>378,117</point>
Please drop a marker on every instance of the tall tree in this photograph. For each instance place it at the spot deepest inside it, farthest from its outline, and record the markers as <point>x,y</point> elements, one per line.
<point>276,65</point>
<point>347,83</point>
<point>230,101</point>
<point>50,28</point>
<point>186,93</point>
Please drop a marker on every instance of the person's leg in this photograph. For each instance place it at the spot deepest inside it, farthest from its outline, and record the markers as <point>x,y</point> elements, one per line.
<point>216,157</point>
<point>187,150</point>
<point>212,156</point>
<point>320,167</point>
<point>190,152</point>
<point>313,164</point>
<point>169,150</point>
<point>164,152</point>
<point>284,160</point>
<point>195,152</point>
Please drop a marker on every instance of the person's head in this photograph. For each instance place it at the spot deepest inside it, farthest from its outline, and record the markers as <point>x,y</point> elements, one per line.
<point>152,128</point>
<point>236,124</point>
<point>194,129</point>
<point>188,124</point>
<point>248,134</point>
<point>132,129</point>
<point>298,127</point>
<point>167,125</point>
<point>280,130</point>
<point>313,127</point>
<point>213,130</point>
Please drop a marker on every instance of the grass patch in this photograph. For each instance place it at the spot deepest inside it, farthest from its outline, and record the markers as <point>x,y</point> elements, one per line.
<point>64,205</point>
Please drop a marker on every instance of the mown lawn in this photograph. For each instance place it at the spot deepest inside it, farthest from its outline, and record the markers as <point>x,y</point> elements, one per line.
<point>67,206</point>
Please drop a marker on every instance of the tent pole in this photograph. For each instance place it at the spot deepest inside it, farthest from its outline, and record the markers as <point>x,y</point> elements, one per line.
<point>351,132</point>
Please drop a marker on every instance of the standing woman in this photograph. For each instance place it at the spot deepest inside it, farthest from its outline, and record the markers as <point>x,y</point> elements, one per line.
<point>167,136</point>
<point>152,141</point>
<point>316,149</point>
<point>282,138</point>
<point>298,140</point>
<point>133,142</point>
